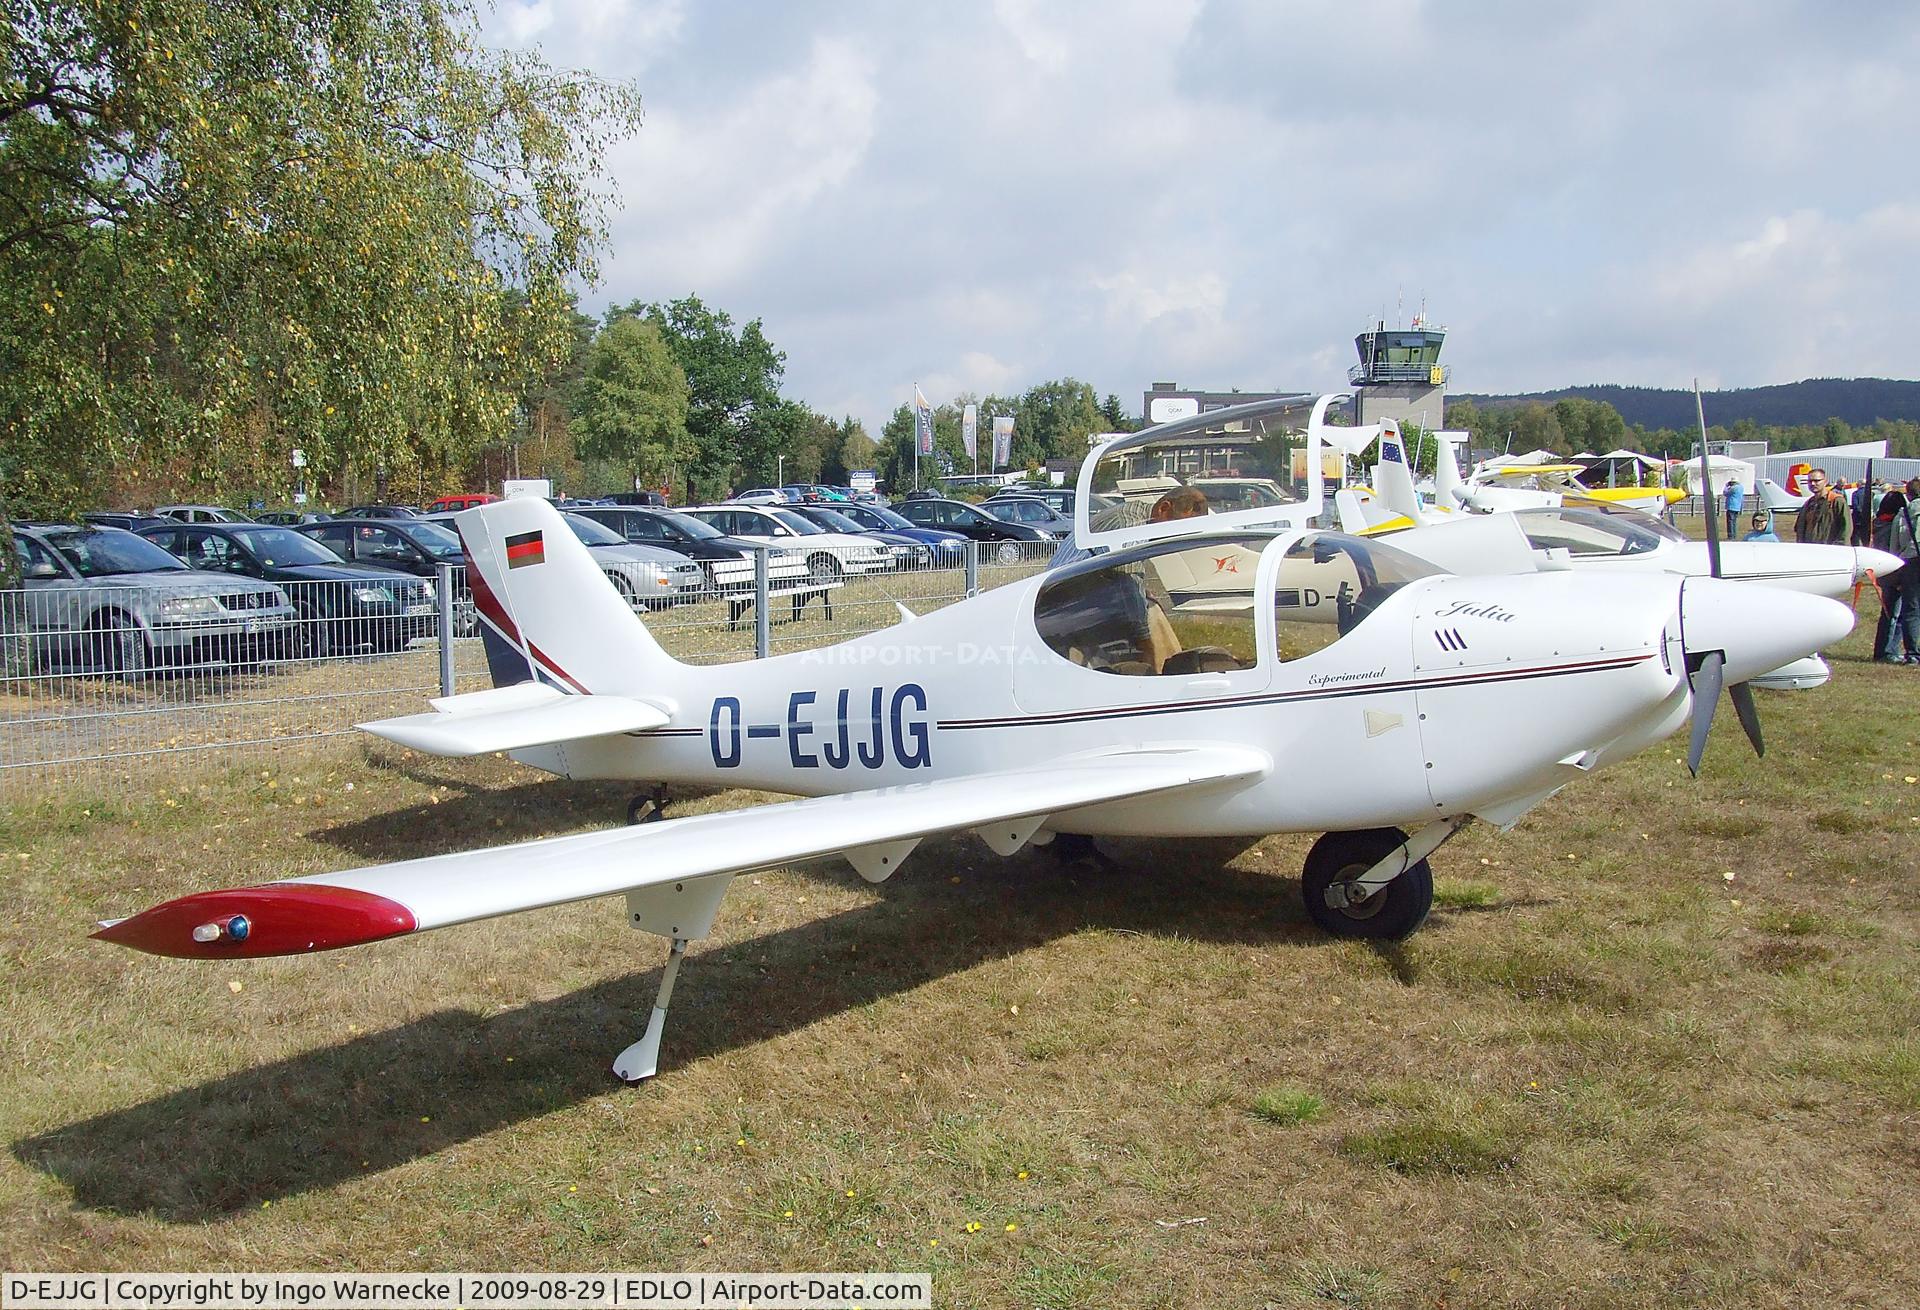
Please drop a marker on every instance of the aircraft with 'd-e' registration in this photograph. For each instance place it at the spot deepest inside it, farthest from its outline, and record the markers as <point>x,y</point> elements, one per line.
<point>1216,675</point>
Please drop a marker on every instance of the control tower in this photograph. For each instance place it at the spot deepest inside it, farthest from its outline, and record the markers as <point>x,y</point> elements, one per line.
<point>1400,375</point>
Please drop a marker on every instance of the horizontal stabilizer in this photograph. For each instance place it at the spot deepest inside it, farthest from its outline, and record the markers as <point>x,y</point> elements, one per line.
<point>342,909</point>
<point>506,718</point>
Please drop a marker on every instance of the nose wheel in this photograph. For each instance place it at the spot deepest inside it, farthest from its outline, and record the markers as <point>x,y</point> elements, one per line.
<point>1344,894</point>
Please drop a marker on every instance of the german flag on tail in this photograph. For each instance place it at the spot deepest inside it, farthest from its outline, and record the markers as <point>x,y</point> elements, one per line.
<point>524,548</point>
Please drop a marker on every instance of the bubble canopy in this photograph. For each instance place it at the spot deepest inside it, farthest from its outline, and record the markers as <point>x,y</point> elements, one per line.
<point>1262,464</point>
<point>1199,604</point>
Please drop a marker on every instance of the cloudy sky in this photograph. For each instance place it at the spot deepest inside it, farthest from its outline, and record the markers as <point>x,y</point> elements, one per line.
<point>984,195</point>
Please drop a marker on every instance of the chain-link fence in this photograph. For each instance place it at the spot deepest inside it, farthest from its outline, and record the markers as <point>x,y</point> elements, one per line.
<point>103,674</point>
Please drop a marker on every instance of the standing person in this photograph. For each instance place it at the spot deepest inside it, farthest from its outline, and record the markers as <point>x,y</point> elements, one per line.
<point>1900,592</point>
<point>1822,520</point>
<point>1734,497</point>
<point>1861,503</point>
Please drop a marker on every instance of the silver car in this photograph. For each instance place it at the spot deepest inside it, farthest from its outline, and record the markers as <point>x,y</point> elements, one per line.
<point>650,577</point>
<point>105,600</point>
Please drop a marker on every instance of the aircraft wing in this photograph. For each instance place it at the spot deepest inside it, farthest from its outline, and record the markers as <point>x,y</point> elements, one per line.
<point>875,829</point>
<point>506,718</point>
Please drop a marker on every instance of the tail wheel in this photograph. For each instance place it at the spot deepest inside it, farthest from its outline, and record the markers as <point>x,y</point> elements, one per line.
<point>121,647</point>
<point>823,569</point>
<point>1389,914</point>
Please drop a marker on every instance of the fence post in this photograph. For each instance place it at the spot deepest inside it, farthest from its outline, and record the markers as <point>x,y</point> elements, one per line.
<point>973,567</point>
<point>762,619</point>
<point>443,599</point>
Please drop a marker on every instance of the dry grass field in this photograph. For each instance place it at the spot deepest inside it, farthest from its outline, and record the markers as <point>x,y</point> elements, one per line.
<point>1656,1047</point>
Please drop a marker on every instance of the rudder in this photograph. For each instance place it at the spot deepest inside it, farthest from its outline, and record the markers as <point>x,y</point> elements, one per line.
<point>547,611</point>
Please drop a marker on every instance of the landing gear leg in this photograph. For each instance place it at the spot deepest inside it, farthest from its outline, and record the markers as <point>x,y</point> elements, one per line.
<point>1374,883</point>
<point>641,1061</point>
<point>648,806</point>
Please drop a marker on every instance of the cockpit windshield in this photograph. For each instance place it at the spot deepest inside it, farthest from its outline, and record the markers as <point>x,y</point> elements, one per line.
<point>1595,529</point>
<point>1184,606</point>
<point>1328,585</point>
<point>1189,605</point>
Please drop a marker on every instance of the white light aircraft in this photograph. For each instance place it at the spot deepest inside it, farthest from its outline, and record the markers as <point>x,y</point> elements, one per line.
<point>1199,677</point>
<point>1601,537</point>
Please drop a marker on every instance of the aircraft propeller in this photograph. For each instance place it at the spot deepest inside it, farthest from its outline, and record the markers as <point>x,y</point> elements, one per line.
<point>1707,676</point>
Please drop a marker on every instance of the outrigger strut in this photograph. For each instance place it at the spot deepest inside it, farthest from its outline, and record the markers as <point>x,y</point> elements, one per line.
<point>679,911</point>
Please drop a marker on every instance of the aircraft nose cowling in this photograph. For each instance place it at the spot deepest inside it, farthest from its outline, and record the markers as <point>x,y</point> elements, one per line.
<point>1758,628</point>
<point>1877,562</point>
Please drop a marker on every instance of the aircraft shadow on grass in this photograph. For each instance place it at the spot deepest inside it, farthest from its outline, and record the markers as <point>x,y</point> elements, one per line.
<point>346,1110</point>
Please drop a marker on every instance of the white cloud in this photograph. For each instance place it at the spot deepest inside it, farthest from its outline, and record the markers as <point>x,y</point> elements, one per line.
<point>985,198</point>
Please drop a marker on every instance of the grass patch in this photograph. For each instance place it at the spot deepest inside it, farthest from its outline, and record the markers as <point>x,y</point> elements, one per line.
<point>1287,1106</point>
<point>1433,1146</point>
<point>1638,1235</point>
<point>1058,1282</point>
<point>1463,894</point>
<point>1342,1283</point>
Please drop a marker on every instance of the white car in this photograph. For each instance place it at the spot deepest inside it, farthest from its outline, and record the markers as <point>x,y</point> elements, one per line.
<point>829,555</point>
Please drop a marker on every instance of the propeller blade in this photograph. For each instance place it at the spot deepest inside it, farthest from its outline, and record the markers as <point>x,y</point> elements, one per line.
<point>1706,696</point>
<point>1706,487</point>
<point>1749,714</point>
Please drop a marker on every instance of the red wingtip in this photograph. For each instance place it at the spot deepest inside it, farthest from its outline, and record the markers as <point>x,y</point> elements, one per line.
<point>289,918</point>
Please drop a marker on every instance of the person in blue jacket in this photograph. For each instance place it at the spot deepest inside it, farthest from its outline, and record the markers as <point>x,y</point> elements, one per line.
<point>1735,497</point>
<point>1762,529</point>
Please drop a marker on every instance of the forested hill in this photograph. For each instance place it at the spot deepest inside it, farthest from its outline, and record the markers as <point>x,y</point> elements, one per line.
<point>1856,401</point>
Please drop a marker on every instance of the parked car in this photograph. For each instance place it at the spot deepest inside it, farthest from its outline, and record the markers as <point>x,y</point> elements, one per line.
<point>949,548</point>
<point>645,576</point>
<point>449,504</point>
<point>727,561</point>
<point>341,606</point>
<point>1225,495</point>
<point>905,552</point>
<point>829,555</point>
<point>1059,499</point>
<point>377,512</point>
<point>107,600</point>
<point>291,518</point>
<point>954,516</point>
<point>117,519</point>
<point>1032,511</point>
<point>637,498</point>
<point>201,514</point>
<point>403,546</point>
<point>762,496</point>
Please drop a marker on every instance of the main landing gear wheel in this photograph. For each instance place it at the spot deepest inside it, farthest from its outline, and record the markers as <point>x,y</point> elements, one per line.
<point>1389,914</point>
<point>648,806</point>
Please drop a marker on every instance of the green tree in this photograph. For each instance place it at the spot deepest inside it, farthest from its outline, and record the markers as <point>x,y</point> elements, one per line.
<point>631,405</point>
<point>231,229</point>
<point>731,375</point>
<point>857,449</point>
<point>1054,420</point>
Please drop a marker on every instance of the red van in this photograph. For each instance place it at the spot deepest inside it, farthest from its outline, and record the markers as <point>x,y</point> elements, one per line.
<point>447,504</point>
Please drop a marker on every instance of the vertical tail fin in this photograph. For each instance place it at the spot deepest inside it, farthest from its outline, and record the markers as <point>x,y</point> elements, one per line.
<point>1449,492</point>
<point>1393,479</point>
<point>547,612</point>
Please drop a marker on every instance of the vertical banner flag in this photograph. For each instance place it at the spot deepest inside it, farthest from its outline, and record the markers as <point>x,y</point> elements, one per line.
<point>922,422</point>
<point>970,431</point>
<point>1002,439</point>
